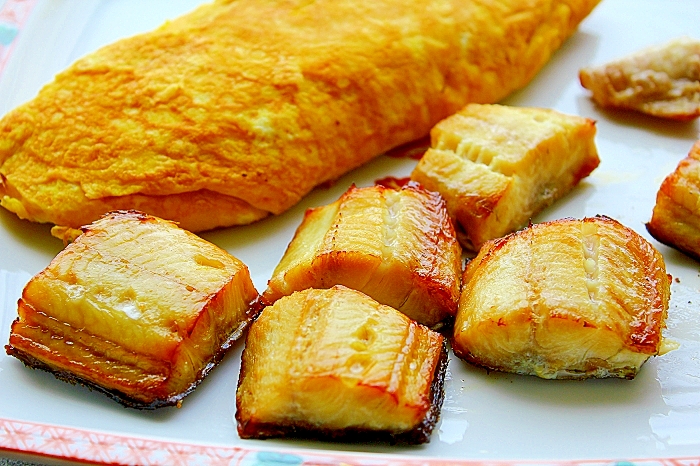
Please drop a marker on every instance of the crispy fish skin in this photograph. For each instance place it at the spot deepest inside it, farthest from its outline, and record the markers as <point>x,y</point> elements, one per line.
<point>334,364</point>
<point>397,246</point>
<point>567,299</point>
<point>675,221</point>
<point>497,166</point>
<point>136,308</point>
<point>239,108</point>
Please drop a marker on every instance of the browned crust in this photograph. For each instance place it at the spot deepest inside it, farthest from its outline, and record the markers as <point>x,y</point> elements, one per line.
<point>684,245</point>
<point>124,399</point>
<point>672,222</point>
<point>660,81</point>
<point>418,435</point>
<point>646,330</point>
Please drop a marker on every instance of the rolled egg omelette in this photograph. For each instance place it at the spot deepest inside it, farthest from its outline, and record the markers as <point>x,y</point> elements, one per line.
<point>238,109</point>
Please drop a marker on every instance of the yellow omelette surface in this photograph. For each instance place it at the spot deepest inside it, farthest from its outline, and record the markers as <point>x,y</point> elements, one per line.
<point>240,108</point>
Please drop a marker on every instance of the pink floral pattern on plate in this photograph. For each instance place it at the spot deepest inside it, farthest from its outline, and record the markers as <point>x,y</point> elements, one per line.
<point>105,448</point>
<point>13,16</point>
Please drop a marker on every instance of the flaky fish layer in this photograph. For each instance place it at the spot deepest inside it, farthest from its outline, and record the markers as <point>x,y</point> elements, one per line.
<point>135,307</point>
<point>497,166</point>
<point>564,299</point>
<point>335,364</point>
<point>661,80</point>
<point>397,246</point>
<point>675,220</point>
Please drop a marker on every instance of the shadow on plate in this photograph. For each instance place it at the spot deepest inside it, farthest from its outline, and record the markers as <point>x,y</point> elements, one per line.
<point>35,236</point>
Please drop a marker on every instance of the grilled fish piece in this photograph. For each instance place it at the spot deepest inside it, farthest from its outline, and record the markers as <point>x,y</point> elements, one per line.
<point>136,308</point>
<point>238,109</point>
<point>335,364</point>
<point>662,80</point>
<point>564,299</point>
<point>397,246</point>
<point>675,220</point>
<point>497,166</point>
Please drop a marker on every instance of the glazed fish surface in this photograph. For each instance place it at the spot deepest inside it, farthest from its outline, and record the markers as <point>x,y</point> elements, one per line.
<point>675,220</point>
<point>662,81</point>
<point>564,299</point>
<point>397,246</point>
<point>136,308</point>
<point>335,364</point>
<point>238,109</point>
<point>497,166</point>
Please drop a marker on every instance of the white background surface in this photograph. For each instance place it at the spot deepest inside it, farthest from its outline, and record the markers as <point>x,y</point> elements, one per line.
<point>485,416</point>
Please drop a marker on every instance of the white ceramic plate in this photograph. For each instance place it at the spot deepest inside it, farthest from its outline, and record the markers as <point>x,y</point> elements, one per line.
<point>486,417</point>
